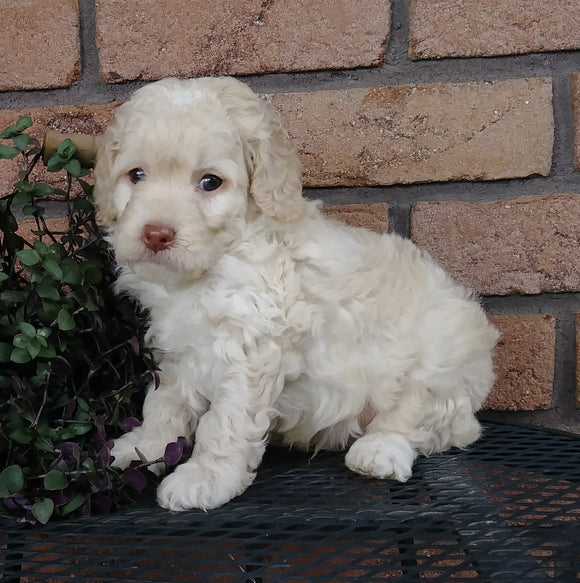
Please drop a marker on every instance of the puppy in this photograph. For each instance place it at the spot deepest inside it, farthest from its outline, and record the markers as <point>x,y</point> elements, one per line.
<point>270,320</point>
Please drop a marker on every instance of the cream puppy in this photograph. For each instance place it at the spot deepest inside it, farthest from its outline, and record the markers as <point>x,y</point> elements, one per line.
<point>270,320</point>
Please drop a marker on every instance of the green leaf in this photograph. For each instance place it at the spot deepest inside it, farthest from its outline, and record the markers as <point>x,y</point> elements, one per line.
<point>71,272</point>
<point>28,257</point>
<point>41,340</point>
<point>58,252</point>
<point>44,332</point>
<point>88,190</point>
<point>27,329</point>
<point>22,435</point>
<point>5,350</point>
<point>55,163</point>
<point>21,198</point>
<point>65,320</point>
<point>48,352</point>
<point>55,480</point>
<point>82,204</point>
<point>48,289</point>
<point>46,430</point>
<point>42,510</point>
<point>89,465</point>
<point>23,123</point>
<point>20,341</point>
<point>8,152</point>
<point>3,276</point>
<point>20,356</point>
<point>9,132</point>
<point>92,274</point>
<point>12,296</point>
<point>74,430</point>
<point>44,445</point>
<point>34,348</point>
<point>76,502</point>
<point>32,209</point>
<point>21,141</point>
<point>53,268</point>
<point>11,481</point>
<point>41,247</point>
<point>24,186</point>
<point>66,149</point>
<point>42,189</point>
<point>73,167</point>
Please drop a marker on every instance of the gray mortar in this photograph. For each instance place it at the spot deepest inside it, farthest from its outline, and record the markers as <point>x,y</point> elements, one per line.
<point>398,69</point>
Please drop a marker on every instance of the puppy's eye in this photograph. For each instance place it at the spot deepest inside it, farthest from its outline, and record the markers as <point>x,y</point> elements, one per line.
<point>210,182</point>
<point>136,175</point>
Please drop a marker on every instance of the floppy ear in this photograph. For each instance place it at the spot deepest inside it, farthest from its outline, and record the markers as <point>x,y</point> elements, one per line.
<point>104,183</point>
<point>273,164</point>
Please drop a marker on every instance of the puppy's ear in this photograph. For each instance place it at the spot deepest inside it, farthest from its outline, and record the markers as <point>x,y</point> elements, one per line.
<point>273,164</point>
<point>104,182</point>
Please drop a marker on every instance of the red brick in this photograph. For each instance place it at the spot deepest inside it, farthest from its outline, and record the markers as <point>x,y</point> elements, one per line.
<point>374,217</point>
<point>150,39</point>
<point>27,227</point>
<point>524,362</point>
<point>525,245</point>
<point>422,133</point>
<point>469,28</point>
<point>87,119</point>
<point>39,44</point>
<point>575,86</point>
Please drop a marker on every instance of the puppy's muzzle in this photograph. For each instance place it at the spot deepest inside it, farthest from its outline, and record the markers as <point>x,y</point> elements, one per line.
<point>157,237</point>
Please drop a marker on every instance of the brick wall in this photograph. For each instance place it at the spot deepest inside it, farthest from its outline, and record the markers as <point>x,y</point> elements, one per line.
<point>451,122</point>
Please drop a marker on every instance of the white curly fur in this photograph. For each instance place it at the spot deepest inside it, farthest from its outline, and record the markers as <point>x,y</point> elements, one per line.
<point>270,320</point>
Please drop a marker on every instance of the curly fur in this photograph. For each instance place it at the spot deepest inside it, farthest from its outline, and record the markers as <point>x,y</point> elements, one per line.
<point>271,321</point>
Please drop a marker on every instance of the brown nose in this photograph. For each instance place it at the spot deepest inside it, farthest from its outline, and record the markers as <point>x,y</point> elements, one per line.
<point>158,237</point>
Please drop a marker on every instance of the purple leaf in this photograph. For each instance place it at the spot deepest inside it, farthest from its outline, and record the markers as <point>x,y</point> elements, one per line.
<point>183,441</point>
<point>69,409</point>
<point>134,343</point>
<point>56,462</point>
<point>130,423</point>
<point>105,452</point>
<point>100,423</point>
<point>135,479</point>
<point>11,503</point>
<point>86,507</point>
<point>17,502</point>
<point>62,497</point>
<point>17,385</point>
<point>69,450</point>
<point>173,453</point>
<point>103,504</point>
<point>66,447</point>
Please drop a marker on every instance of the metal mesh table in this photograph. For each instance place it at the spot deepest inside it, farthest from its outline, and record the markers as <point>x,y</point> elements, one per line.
<point>506,510</point>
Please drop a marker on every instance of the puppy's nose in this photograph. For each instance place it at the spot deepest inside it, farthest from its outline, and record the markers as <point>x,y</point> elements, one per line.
<point>158,237</point>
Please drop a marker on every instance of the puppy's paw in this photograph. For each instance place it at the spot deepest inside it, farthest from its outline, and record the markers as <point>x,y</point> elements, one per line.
<point>381,455</point>
<point>194,485</point>
<point>124,451</point>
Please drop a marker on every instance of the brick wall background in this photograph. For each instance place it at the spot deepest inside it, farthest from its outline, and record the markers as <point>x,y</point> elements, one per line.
<point>449,121</point>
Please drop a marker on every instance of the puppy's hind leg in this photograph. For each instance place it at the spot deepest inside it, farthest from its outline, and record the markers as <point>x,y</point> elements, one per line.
<point>381,453</point>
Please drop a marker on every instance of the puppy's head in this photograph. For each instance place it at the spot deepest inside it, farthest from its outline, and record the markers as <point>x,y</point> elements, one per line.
<point>177,169</point>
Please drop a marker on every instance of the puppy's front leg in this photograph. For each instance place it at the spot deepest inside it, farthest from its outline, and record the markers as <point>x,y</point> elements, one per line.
<point>166,416</point>
<point>229,445</point>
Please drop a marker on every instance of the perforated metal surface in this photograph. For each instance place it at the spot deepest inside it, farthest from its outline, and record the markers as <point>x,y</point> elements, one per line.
<point>507,510</point>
